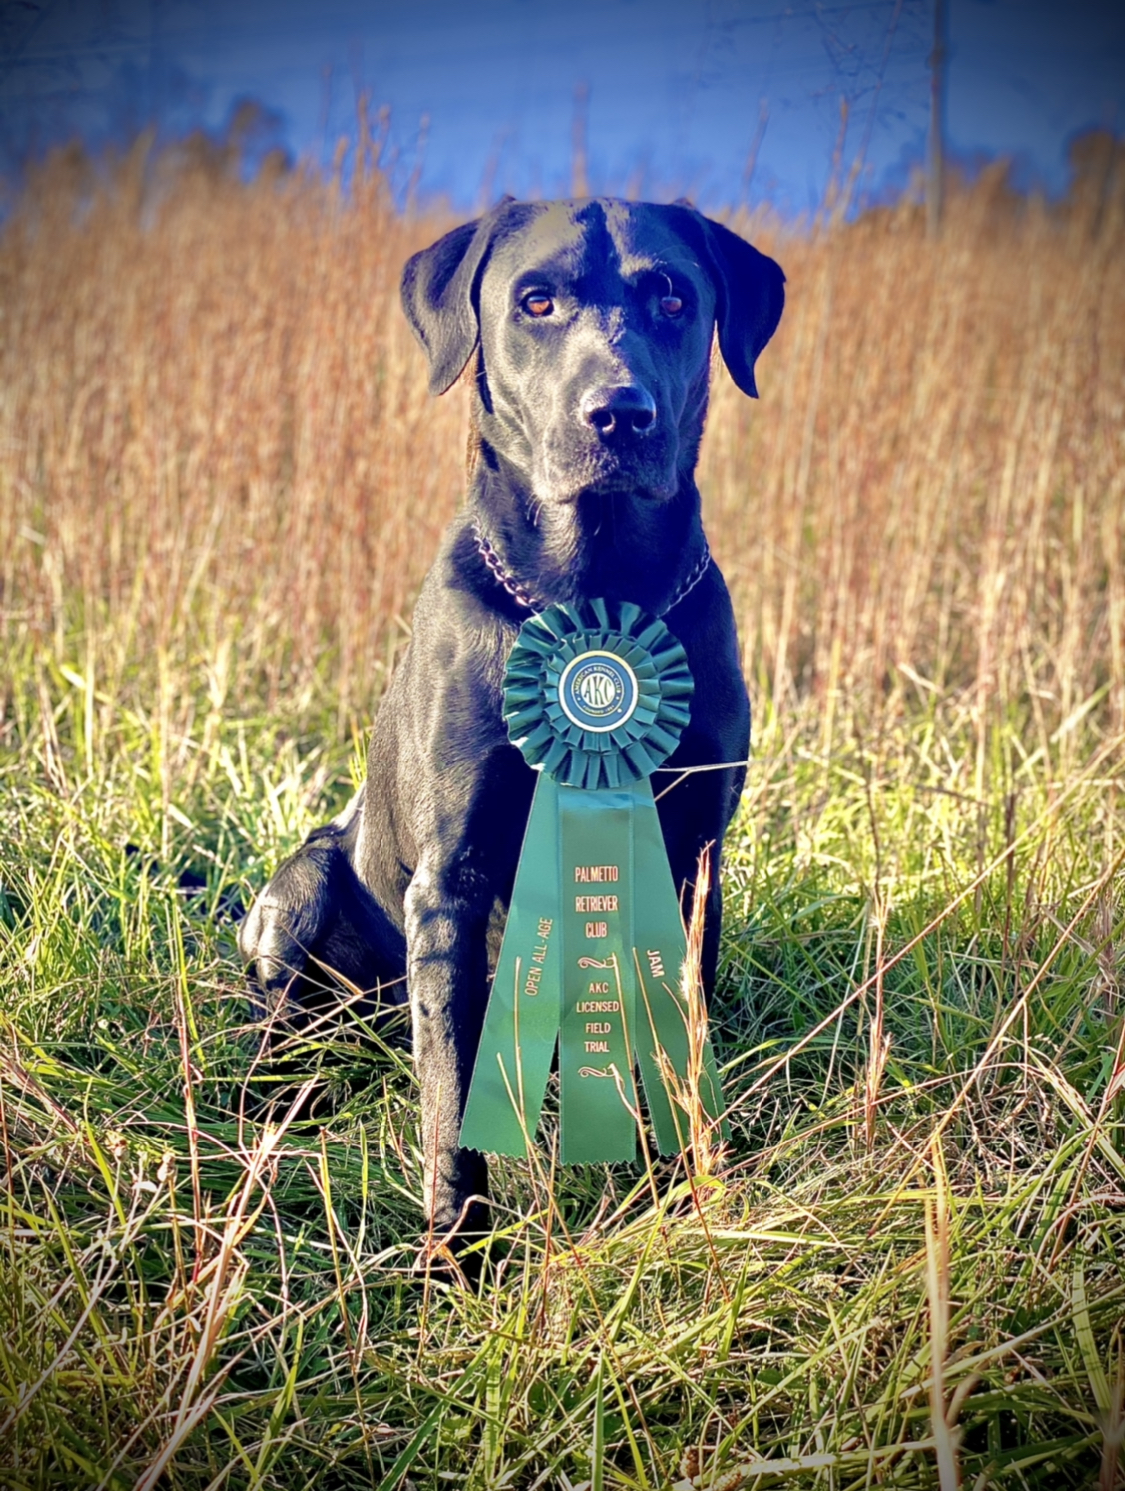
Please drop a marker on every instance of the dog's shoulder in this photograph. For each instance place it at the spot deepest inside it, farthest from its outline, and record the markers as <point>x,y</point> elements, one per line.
<point>463,619</point>
<point>444,703</point>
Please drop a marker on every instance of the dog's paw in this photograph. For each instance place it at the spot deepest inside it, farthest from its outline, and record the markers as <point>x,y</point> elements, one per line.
<point>274,941</point>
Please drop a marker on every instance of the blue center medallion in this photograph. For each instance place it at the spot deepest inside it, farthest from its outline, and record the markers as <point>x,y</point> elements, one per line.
<point>598,691</point>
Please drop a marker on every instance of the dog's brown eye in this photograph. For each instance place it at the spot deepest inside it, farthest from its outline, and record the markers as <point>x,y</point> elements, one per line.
<point>671,305</point>
<point>538,305</point>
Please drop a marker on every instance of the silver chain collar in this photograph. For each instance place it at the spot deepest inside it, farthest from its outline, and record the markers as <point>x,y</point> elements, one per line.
<point>524,597</point>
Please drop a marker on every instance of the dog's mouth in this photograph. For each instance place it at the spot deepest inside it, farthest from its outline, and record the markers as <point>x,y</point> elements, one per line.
<point>563,478</point>
<point>618,485</point>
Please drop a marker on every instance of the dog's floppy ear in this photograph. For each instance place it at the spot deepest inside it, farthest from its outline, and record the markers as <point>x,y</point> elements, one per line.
<point>751,296</point>
<point>439,296</point>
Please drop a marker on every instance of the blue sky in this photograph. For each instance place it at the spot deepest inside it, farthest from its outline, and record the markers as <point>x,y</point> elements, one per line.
<point>680,96</point>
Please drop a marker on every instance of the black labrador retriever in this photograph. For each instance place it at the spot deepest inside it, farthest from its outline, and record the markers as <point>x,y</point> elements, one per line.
<point>589,325</point>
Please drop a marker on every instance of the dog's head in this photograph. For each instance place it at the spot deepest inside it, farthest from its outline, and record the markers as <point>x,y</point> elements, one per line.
<point>594,322</point>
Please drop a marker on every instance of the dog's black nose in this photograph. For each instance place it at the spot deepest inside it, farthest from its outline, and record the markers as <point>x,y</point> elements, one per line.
<point>626,409</point>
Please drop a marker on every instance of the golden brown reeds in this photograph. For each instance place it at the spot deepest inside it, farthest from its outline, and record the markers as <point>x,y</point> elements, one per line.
<point>214,425</point>
<point>932,492</point>
<point>211,399</point>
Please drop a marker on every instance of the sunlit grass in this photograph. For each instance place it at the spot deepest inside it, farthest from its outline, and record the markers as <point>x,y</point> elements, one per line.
<point>907,1269</point>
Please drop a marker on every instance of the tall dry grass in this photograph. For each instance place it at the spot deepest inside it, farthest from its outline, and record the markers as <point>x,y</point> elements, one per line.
<point>213,424</point>
<point>937,476</point>
<point>213,409</point>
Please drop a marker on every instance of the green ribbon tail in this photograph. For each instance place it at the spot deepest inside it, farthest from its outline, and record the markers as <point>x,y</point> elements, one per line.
<point>517,1043</point>
<point>594,922</point>
<point>597,1092</point>
<point>659,949</point>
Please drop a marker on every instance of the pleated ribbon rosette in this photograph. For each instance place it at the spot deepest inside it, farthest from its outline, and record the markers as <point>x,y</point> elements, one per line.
<point>596,696</point>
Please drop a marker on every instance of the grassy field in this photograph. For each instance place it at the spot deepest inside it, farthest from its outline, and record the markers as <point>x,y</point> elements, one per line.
<point>220,484</point>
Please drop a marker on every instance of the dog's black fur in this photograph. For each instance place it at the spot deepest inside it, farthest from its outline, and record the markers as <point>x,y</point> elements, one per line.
<point>590,326</point>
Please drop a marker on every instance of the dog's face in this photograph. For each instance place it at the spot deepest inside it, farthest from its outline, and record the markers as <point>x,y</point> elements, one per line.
<point>594,322</point>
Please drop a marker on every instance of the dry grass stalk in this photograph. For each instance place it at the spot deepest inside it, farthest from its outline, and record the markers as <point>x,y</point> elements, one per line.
<point>695,1477</point>
<point>879,1040</point>
<point>943,1416</point>
<point>702,1144</point>
<point>704,1134</point>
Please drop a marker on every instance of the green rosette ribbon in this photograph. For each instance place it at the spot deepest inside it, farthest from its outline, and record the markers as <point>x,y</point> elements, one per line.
<point>596,696</point>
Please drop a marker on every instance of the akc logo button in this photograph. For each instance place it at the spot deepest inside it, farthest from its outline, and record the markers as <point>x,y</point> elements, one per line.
<point>598,691</point>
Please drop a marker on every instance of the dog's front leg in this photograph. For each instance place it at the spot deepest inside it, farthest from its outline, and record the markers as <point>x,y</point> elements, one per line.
<point>447,910</point>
